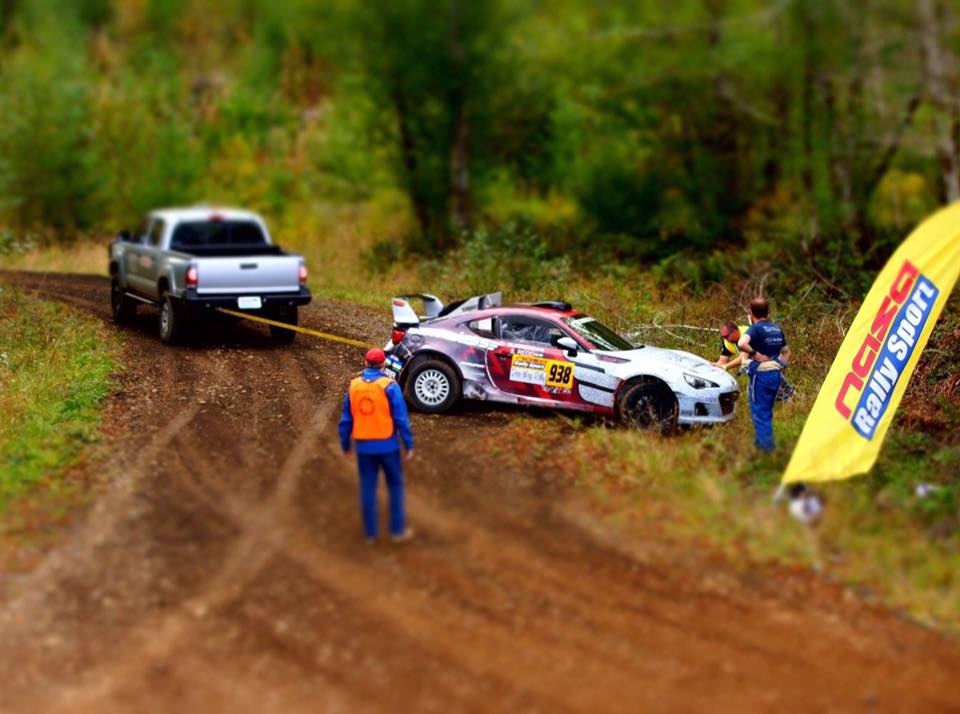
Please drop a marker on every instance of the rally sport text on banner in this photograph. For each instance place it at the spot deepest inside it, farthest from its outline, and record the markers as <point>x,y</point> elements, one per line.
<point>848,422</point>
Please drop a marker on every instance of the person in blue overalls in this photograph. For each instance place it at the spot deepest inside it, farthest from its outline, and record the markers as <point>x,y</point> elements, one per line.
<point>375,417</point>
<point>766,345</point>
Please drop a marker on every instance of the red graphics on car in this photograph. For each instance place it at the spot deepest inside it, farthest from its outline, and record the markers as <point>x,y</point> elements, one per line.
<point>549,355</point>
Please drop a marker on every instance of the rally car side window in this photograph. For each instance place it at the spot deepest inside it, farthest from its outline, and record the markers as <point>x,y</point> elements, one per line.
<point>529,329</point>
<point>482,327</point>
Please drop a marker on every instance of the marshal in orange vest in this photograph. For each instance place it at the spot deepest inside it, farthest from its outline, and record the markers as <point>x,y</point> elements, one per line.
<point>371,409</point>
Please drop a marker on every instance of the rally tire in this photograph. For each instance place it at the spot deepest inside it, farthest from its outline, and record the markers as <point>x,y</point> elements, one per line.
<point>432,386</point>
<point>288,315</point>
<point>122,307</point>
<point>172,323</point>
<point>650,406</point>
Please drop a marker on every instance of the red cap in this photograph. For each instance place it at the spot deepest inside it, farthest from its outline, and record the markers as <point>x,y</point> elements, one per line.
<point>376,357</point>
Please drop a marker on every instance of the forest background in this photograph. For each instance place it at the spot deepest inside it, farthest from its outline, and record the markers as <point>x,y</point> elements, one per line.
<point>657,163</point>
<point>811,135</point>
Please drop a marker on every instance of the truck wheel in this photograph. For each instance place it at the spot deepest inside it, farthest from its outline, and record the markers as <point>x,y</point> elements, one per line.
<point>123,308</point>
<point>648,405</point>
<point>290,316</point>
<point>172,322</point>
<point>433,386</point>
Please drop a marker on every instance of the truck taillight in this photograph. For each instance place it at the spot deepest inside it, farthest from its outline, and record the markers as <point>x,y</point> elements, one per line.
<point>397,335</point>
<point>303,274</point>
<point>192,276</point>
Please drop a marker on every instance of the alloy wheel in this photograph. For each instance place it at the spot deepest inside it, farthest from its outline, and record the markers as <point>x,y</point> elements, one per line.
<point>431,387</point>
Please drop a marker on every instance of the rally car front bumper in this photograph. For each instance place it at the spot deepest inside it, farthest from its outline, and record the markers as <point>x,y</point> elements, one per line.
<point>713,406</point>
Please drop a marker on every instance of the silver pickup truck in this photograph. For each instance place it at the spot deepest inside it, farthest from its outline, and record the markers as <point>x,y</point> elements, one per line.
<point>188,261</point>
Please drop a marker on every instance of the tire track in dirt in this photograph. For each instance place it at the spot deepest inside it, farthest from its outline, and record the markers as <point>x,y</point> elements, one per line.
<point>268,601</point>
<point>217,490</point>
<point>500,568</point>
<point>155,643</point>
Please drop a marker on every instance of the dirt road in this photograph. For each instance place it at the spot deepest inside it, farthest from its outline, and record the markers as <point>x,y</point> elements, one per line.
<point>221,569</point>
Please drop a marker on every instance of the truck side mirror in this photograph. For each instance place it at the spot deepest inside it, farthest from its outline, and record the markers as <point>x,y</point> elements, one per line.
<point>124,235</point>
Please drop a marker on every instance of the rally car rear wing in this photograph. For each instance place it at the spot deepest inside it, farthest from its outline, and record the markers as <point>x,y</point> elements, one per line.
<point>404,314</point>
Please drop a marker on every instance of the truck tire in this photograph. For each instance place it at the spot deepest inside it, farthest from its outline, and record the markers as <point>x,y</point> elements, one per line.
<point>123,308</point>
<point>648,405</point>
<point>289,315</point>
<point>172,319</point>
<point>432,386</point>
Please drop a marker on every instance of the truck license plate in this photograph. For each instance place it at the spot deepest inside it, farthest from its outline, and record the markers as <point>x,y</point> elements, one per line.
<point>249,303</point>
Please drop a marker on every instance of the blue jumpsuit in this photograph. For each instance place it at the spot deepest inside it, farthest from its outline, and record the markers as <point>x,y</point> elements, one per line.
<point>374,454</point>
<point>768,339</point>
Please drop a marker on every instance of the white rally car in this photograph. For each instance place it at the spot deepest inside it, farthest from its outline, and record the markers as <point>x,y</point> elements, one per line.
<point>549,355</point>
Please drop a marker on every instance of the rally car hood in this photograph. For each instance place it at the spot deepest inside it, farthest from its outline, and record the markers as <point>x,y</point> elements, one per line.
<point>650,359</point>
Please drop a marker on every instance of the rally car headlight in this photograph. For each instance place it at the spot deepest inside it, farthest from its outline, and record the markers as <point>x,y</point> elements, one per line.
<point>698,382</point>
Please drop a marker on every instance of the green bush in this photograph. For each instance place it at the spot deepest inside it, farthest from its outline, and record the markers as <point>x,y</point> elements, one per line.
<point>620,197</point>
<point>383,255</point>
<point>47,172</point>
<point>693,271</point>
<point>146,153</point>
<point>511,257</point>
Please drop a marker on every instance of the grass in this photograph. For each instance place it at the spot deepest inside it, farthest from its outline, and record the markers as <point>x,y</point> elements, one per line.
<point>87,256</point>
<point>711,485</point>
<point>707,485</point>
<point>55,373</point>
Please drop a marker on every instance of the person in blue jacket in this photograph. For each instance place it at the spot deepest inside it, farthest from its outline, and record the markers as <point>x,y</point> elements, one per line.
<point>375,417</point>
<point>766,345</point>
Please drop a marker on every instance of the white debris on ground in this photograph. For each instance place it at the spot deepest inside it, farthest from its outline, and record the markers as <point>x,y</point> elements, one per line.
<point>805,505</point>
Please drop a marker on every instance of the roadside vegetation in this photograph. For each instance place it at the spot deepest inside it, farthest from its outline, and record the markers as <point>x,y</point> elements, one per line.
<point>898,544</point>
<point>894,533</point>
<point>809,133</point>
<point>655,164</point>
<point>55,375</point>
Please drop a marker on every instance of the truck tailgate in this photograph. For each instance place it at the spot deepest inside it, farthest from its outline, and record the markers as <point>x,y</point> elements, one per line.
<point>253,275</point>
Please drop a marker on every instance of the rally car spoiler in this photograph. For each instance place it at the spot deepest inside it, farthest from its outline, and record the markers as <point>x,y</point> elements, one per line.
<point>404,314</point>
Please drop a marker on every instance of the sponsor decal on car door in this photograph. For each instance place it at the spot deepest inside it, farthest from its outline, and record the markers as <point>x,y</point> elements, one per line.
<point>530,373</point>
<point>554,373</point>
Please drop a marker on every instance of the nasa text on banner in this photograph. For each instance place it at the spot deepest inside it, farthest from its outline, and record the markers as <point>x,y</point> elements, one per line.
<point>849,420</point>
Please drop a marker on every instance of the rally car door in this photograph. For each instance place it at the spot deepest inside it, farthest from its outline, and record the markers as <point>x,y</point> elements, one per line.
<point>528,365</point>
<point>595,386</point>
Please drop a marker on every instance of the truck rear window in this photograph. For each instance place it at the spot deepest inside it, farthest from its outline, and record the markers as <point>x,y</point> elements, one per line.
<point>198,234</point>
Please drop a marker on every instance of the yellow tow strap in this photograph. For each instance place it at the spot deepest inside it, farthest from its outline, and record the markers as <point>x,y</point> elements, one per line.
<point>297,328</point>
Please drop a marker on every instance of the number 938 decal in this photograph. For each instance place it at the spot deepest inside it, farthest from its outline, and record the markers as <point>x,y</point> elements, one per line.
<point>560,374</point>
<point>539,370</point>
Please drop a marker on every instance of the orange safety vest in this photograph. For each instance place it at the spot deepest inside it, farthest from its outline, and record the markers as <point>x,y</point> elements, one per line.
<point>371,409</point>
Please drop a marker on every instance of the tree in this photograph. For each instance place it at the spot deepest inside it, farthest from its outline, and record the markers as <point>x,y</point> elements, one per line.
<point>858,95</point>
<point>941,92</point>
<point>434,66</point>
<point>47,179</point>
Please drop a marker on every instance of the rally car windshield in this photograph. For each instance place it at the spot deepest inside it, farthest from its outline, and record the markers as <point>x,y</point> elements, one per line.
<point>597,334</point>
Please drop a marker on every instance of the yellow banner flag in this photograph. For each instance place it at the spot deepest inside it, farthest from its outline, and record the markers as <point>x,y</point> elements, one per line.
<point>846,427</point>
